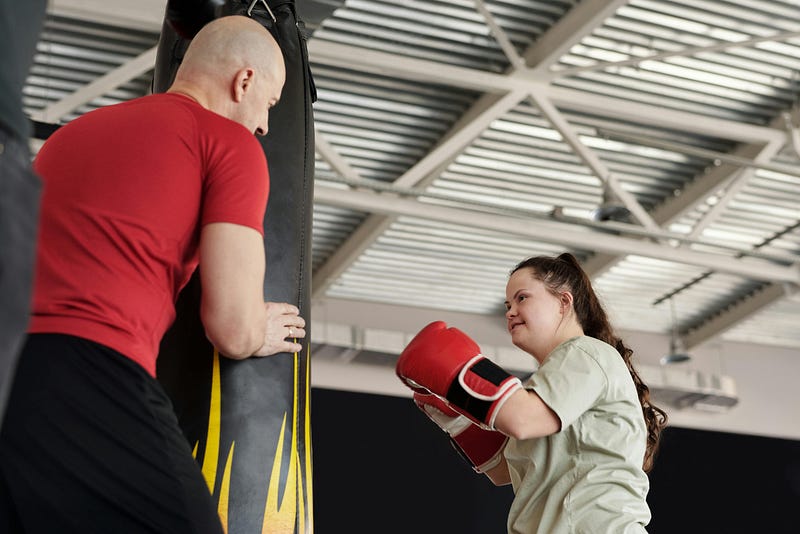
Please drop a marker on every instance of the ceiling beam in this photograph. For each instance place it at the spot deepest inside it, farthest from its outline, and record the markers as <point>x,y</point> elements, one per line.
<point>367,60</point>
<point>734,314</point>
<point>348,252</point>
<point>147,15</point>
<point>710,182</point>
<point>693,193</point>
<point>568,31</point>
<point>684,52</point>
<point>663,118</point>
<point>500,35</point>
<point>733,182</point>
<point>591,159</point>
<point>98,87</point>
<point>730,178</point>
<point>457,139</point>
<point>409,319</point>
<point>561,233</point>
<point>367,232</point>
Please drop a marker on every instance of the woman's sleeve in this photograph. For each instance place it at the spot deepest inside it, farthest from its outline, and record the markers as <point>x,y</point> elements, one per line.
<point>570,382</point>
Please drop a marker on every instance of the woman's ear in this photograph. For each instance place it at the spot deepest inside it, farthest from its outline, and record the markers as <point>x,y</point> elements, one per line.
<point>567,300</point>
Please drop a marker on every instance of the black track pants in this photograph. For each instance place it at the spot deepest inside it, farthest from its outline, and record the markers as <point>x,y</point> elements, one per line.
<point>90,444</point>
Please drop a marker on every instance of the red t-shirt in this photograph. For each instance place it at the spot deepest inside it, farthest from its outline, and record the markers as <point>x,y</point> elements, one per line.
<point>127,189</point>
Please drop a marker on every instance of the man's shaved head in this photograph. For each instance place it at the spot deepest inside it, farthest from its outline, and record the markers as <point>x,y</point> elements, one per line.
<point>229,43</point>
<point>234,67</point>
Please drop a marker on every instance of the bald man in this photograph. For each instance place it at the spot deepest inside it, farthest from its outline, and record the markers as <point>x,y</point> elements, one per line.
<point>136,196</point>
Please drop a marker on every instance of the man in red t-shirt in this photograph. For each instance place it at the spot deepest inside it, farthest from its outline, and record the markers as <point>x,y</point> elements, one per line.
<point>136,196</point>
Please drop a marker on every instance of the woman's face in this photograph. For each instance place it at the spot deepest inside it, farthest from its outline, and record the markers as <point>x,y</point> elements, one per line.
<point>533,314</point>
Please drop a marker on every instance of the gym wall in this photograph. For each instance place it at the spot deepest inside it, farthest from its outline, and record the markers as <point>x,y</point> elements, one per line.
<point>381,467</point>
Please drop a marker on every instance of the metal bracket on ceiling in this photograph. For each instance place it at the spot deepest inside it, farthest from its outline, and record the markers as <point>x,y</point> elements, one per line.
<point>793,133</point>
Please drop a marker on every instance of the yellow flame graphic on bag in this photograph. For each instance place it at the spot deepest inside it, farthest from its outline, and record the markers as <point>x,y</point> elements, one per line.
<point>298,488</point>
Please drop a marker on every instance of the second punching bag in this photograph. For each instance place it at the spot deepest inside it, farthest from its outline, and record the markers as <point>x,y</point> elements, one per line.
<point>249,420</point>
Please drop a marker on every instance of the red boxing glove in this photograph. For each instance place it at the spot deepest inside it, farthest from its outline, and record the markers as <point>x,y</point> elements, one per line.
<point>482,449</point>
<point>446,362</point>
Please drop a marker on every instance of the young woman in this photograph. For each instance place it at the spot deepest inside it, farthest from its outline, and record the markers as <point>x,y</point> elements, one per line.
<point>582,432</point>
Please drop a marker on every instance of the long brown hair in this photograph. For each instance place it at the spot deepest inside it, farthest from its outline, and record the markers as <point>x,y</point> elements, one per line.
<point>564,273</point>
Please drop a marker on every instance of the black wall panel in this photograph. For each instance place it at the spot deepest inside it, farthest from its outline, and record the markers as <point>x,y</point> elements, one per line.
<point>717,482</point>
<point>380,466</point>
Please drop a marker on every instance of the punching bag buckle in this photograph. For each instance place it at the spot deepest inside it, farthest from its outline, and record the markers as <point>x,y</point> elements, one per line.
<point>253,4</point>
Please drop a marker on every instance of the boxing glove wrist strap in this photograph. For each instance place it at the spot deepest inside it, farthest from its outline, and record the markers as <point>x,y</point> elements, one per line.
<point>481,388</point>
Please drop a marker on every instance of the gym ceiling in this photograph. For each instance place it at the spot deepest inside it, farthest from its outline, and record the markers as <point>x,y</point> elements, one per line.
<point>657,140</point>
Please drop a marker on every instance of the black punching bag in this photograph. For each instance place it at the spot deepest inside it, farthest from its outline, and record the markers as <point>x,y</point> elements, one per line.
<point>248,421</point>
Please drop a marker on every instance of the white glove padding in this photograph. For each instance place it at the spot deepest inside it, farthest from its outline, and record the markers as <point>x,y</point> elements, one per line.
<point>481,448</point>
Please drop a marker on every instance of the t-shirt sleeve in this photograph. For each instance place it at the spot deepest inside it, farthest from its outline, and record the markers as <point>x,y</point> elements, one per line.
<point>570,382</point>
<point>236,183</point>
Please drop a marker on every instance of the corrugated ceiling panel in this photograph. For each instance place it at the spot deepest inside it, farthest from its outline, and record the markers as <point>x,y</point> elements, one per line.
<point>72,53</point>
<point>751,83</point>
<point>776,325</point>
<point>522,162</point>
<point>331,226</point>
<point>632,286</point>
<point>380,125</point>
<point>448,31</point>
<point>421,263</point>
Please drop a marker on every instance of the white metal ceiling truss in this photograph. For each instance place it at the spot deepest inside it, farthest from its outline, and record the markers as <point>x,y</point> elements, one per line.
<point>757,146</point>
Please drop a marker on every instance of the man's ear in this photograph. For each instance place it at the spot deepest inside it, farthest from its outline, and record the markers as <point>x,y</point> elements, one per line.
<point>242,82</point>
